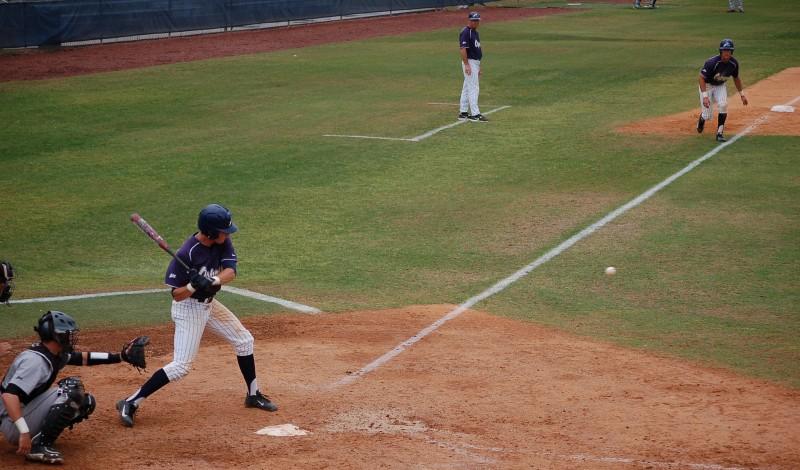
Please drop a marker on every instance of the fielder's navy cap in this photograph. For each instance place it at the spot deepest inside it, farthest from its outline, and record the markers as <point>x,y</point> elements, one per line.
<point>474,16</point>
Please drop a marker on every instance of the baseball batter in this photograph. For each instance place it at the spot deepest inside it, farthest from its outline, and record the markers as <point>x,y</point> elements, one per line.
<point>715,72</point>
<point>211,256</point>
<point>32,412</point>
<point>471,56</point>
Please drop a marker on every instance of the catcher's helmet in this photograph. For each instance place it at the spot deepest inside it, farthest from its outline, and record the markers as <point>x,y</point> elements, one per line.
<point>726,45</point>
<point>59,327</point>
<point>214,219</point>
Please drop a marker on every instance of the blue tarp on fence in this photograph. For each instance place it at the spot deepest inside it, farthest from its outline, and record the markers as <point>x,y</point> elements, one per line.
<point>24,24</point>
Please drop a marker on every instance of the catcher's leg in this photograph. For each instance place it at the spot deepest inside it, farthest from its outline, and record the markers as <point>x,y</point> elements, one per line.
<point>71,406</point>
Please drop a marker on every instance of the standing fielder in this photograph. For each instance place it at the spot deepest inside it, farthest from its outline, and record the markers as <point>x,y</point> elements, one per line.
<point>212,258</point>
<point>713,75</point>
<point>471,56</point>
<point>32,413</point>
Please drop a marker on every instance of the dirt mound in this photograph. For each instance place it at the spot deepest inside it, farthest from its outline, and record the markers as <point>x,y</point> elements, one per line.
<point>775,90</point>
<point>481,391</point>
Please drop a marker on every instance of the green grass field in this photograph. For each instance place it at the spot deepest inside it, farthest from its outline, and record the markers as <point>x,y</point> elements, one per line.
<point>709,269</point>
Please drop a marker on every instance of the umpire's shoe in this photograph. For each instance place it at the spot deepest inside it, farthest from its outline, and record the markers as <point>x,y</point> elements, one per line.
<point>127,410</point>
<point>478,118</point>
<point>43,452</point>
<point>260,401</point>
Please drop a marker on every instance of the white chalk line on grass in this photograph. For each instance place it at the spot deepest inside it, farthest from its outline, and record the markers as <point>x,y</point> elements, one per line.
<point>233,290</point>
<point>419,137</point>
<point>563,246</point>
<point>275,300</point>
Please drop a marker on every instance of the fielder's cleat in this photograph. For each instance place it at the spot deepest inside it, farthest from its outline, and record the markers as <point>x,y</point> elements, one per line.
<point>42,452</point>
<point>478,118</point>
<point>701,123</point>
<point>260,401</point>
<point>720,138</point>
<point>463,116</point>
<point>127,410</point>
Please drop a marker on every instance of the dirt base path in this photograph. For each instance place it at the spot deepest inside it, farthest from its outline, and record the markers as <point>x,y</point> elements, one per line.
<point>480,392</point>
<point>34,64</point>
<point>775,90</point>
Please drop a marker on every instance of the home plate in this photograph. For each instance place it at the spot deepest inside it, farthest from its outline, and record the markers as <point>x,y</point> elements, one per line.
<point>282,430</point>
<point>782,108</point>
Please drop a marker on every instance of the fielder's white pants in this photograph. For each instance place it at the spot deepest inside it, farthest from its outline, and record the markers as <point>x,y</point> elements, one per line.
<point>471,88</point>
<point>191,317</point>
<point>735,4</point>
<point>716,94</point>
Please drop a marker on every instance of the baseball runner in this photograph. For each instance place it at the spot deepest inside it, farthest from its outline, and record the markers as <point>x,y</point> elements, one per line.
<point>210,255</point>
<point>32,412</point>
<point>471,56</point>
<point>715,72</point>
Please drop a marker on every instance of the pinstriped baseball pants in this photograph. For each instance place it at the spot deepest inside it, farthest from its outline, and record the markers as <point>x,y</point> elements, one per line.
<point>191,318</point>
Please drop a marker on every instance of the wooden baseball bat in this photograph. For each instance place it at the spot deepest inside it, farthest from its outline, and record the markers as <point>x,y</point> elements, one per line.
<point>151,232</point>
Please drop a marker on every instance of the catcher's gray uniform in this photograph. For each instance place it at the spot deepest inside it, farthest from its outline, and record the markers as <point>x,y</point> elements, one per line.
<point>30,371</point>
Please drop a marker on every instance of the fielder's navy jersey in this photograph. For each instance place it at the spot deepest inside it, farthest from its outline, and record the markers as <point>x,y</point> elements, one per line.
<point>207,260</point>
<point>471,41</point>
<point>715,71</point>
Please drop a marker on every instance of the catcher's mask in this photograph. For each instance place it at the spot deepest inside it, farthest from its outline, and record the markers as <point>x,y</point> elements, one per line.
<point>59,327</point>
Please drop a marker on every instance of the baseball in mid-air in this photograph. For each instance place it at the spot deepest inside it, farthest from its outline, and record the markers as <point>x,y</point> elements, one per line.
<point>611,270</point>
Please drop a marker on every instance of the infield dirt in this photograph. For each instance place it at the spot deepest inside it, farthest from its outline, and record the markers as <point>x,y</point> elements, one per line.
<point>481,391</point>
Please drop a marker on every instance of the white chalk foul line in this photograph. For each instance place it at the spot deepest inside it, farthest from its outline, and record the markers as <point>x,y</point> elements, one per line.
<point>268,298</point>
<point>563,246</point>
<point>417,138</point>
<point>233,290</point>
<point>85,296</point>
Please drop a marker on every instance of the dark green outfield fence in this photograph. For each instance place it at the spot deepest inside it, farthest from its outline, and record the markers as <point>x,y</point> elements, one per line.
<point>36,23</point>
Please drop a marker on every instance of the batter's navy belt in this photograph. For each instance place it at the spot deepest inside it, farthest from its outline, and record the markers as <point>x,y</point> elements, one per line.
<point>204,300</point>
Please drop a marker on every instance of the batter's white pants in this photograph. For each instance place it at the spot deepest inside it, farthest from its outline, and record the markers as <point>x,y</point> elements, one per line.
<point>191,317</point>
<point>716,94</point>
<point>471,88</point>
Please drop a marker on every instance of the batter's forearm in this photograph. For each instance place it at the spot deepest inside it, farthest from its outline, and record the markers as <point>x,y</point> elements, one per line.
<point>738,82</point>
<point>181,293</point>
<point>226,276</point>
<point>701,82</point>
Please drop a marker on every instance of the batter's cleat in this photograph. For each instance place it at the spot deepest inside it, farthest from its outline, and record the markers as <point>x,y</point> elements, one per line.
<point>463,116</point>
<point>720,138</point>
<point>41,452</point>
<point>260,401</point>
<point>127,411</point>
<point>701,123</point>
<point>478,118</point>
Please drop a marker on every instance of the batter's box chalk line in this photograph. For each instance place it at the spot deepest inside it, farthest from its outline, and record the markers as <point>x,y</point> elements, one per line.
<point>282,430</point>
<point>419,137</point>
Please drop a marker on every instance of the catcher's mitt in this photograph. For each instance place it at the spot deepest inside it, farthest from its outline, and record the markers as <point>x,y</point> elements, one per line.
<point>133,352</point>
<point>6,281</point>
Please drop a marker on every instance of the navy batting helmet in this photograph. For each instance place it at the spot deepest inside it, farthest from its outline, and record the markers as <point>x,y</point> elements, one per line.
<point>726,45</point>
<point>59,327</point>
<point>214,219</point>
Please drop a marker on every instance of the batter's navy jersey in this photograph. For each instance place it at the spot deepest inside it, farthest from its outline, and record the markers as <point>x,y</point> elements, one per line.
<point>714,68</point>
<point>471,41</point>
<point>207,260</point>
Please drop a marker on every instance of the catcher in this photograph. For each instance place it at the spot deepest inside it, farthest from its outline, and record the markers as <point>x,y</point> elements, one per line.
<point>6,281</point>
<point>32,412</point>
